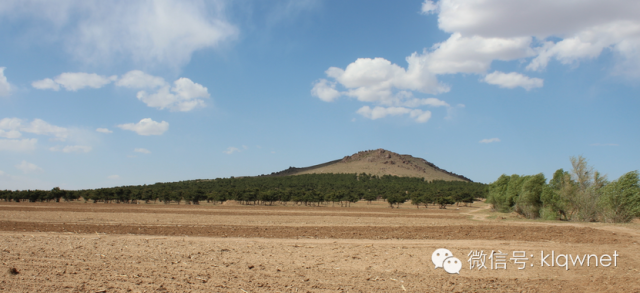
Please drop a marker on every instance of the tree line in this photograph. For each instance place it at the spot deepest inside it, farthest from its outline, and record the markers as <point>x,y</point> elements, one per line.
<point>583,194</point>
<point>307,189</point>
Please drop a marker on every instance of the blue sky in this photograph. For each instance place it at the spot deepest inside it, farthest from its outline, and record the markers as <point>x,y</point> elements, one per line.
<point>97,94</point>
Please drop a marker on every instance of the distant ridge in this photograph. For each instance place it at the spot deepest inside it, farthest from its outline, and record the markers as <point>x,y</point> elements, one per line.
<point>379,162</point>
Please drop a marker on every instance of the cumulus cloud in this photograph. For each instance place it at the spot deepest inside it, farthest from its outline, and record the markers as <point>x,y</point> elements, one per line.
<point>5,87</point>
<point>484,31</point>
<point>141,150</point>
<point>10,133</point>
<point>621,37</point>
<point>11,127</point>
<point>460,54</point>
<point>490,140</point>
<point>512,80</point>
<point>231,150</point>
<point>71,149</point>
<point>18,145</point>
<point>10,123</point>
<point>27,167</point>
<point>104,130</point>
<point>39,126</point>
<point>46,84</point>
<point>139,80</point>
<point>146,126</point>
<point>184,96</point>
<point>73,81</point>
<point>584,28</point>
<point>488,17</point>
<point>378,80</point>
<point>381,112</point>
<point>388,86</point>
<point>325,90</point>
<point>146,32</point>
<point>428,7</point>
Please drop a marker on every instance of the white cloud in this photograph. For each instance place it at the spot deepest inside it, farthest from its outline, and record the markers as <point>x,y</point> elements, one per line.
<point>10,123</point>
<point>184,96</point>
<point>141,150</point>
<point>428,7</point>
<point>490,140</point>
<point>512,80</point>
<point>10,133</point>
<point>113,177</point>
<point>378,80</point>
<point>420,116</point>
<point>140,80</point>
<point>46,84</point>
<point>5,87</point>
<point>104,130</point>
<point>433,102</point>
<point>622,37</point>
<point>146,32</point>
<point>72,149</point>
<point>26,167</point>
<point>475,54</point>
<point>585,28</point>
<point>38,126</point>
<point>146,126</point>
<point>325,90</point>
<point>231,150</point>
<point>381,112</point>
<point>73,81</point>
<point>381,82</point>
<point>484,31</point>
<point>18,145</point>
<point>561,18</point>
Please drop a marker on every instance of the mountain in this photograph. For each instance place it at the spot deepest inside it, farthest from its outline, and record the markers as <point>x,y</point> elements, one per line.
<point>379,162</point>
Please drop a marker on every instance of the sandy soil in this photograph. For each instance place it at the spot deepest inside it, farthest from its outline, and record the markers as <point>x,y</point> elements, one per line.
<point>78,247</point>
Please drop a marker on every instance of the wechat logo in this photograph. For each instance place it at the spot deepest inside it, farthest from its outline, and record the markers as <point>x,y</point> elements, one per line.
<point>443,258</point>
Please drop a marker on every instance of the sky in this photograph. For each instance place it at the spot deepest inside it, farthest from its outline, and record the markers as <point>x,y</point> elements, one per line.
<point>110,93</point>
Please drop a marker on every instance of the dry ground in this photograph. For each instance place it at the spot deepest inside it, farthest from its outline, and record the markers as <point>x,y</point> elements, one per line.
<point>84,247</point>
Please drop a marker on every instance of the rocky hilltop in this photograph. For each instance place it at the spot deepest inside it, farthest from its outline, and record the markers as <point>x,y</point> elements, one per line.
<point>379,162</point>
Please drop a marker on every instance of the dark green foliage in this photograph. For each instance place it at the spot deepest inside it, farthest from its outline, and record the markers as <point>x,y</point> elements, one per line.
<point>582,195</point>
<point>621,198</point>
<point>443,201</point>
<point>529,201</point>
<point>309,189</point>
<point>557,194</point>
<point>498,192</point>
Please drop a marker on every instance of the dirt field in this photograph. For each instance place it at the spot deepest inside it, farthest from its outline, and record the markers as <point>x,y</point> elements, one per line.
<point>84,247</point>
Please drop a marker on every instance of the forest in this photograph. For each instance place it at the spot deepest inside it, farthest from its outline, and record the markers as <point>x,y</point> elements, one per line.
<point>308,189</point>
<point>583,194</point>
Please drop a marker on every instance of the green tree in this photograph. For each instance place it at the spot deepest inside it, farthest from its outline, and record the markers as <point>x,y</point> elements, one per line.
<point>588,185</point>
<point>529,201</point>
<point>621,198</point>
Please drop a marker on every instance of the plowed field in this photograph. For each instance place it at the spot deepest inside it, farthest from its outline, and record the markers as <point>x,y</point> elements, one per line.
<point>84,247</point>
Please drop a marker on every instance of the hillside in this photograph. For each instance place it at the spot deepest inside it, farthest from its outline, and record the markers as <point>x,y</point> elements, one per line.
<point>379,162</point>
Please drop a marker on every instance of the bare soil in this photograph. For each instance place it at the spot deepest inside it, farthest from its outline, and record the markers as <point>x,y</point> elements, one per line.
<point>85,247</point>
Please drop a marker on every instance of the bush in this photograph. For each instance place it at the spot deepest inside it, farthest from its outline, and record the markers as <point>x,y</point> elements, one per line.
<point>621,199</point>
